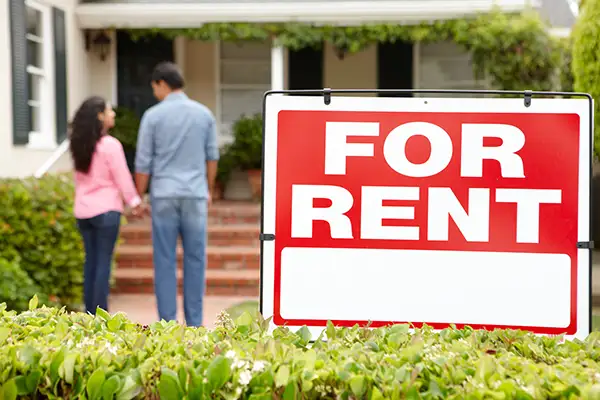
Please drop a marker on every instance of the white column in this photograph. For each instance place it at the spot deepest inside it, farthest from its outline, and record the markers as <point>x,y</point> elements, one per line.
<point>179,50</point>
<point>277,67</point>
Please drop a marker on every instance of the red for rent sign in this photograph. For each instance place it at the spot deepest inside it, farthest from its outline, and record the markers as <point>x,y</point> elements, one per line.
<point>436,211</point>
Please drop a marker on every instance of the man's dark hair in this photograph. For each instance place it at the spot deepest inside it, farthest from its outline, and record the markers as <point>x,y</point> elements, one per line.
<point>169,73</point>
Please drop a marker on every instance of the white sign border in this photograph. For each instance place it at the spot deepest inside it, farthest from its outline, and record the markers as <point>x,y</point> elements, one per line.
<point>274,103</point>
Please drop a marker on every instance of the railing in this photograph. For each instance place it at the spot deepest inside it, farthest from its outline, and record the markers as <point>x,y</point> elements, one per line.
<point>54,157</point>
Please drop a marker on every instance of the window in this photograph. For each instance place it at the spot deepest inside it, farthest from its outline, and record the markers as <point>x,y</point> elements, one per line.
<point>40,75</point>
<point>444,65</point>
<point>245,74</point>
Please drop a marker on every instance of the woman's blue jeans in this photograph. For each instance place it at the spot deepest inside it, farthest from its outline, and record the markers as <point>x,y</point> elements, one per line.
<point>100,235</point>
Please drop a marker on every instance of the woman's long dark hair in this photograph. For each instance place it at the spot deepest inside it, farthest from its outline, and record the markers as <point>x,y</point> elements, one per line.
<point>86,131</point>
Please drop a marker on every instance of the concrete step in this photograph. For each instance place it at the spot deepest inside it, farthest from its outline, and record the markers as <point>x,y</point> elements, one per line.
<point>218,258</point>
<point>246,235</point>
<point>218,282</point>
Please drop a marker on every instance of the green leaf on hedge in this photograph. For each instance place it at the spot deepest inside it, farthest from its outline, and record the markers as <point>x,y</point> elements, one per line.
<point>32,380</point>
<point>29,356</point>
<point>9,390</point>
<point>67,368</point>
<point>357,385</point>
<point>110,387</point>
<point>114,323</point>
<point>283,376</point>
<point>168,385</point>
<point>102,314</point>
<point>21,383</point>
<point>33,303</point>
<point>244,320</point>
<point>4,334</point>
<point>376,394</point>
<point>57,361</point>
<point>129,390</point>
<point>291,391</point>
<point>94,384</point>
<point>218,372</point>
<point>304,334</point>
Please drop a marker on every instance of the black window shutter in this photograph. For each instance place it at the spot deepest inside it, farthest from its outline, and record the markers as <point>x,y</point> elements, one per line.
<point>20,92</point>
<point>395,67</point>
<point>60,73</point>
<point>305,68</point>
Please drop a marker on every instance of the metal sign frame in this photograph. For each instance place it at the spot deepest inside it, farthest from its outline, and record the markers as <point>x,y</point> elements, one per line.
<point>528,97</point>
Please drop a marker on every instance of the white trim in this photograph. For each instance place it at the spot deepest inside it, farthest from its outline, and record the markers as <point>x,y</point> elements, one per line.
<point>416,78</point>
<point>46,137</point>
<point>113,69</point>
<point>179,50</point>
<point>218,97</point>
<point>56,155</point>
<point>277,71</point>
<point>180,15</point>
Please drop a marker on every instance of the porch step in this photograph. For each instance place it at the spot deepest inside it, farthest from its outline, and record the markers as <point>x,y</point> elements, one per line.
<point>233,259</point>
<point>218,235</point>
<point>218,282</point>
<point>234,212</point>
<point>218,258</point>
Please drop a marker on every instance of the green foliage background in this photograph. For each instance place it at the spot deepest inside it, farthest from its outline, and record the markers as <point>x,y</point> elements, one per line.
<point>515,51</point>
<point>586,58</point>
<point>38,232</point>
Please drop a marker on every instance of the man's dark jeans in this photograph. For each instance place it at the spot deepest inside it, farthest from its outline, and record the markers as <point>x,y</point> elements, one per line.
<point>99,234</point>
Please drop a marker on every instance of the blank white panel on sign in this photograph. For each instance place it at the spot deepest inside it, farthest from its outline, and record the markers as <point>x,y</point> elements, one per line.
<point>478,288</point>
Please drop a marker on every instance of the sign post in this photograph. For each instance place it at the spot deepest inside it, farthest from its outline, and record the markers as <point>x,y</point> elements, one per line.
<point>437,211</point>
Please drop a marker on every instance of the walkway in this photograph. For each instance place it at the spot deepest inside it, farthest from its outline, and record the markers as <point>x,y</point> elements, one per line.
<point>141,308</point>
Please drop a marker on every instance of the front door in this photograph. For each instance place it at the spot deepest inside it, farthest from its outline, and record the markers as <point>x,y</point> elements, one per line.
<point>135,62</point>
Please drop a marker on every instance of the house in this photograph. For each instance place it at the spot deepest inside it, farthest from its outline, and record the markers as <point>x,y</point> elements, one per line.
<point>54,53</point>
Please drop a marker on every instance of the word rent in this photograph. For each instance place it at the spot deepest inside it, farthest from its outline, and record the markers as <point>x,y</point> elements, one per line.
<point>473,222</point>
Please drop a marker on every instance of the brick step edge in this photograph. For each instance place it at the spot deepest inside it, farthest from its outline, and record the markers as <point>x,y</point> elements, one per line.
<point>223,258</point>
<point>218,283</point>
<point>243,235</point>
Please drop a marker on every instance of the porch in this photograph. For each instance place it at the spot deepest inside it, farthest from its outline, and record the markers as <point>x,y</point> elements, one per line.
<point>231,77</point>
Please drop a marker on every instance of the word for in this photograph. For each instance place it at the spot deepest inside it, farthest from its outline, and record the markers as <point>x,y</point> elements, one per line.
<point>443,204</point>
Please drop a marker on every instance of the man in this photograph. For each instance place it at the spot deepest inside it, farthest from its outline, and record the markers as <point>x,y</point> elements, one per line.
<point>177,146</point>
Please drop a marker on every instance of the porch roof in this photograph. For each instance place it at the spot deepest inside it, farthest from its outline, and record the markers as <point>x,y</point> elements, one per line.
<point>193,13</point>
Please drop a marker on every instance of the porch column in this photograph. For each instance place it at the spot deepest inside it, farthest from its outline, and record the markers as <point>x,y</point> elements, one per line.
<point>277,67</point>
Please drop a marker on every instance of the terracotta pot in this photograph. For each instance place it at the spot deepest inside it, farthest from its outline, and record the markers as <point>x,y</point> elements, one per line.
<point>255,179</point>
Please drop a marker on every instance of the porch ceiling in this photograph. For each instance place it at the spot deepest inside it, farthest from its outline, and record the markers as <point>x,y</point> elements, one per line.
<point>193,13</point>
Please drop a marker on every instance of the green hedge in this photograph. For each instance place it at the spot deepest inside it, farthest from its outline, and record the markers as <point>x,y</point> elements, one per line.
<point>46,353</point>
<point>16,287</point>
<point>38,230</point>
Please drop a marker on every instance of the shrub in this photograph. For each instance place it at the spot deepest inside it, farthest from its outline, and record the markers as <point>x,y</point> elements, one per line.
<point>586,62</point>
<point>127,125</point>
<point>246,149</point>
<point>16,287</point>
<point>37,229</point>
<point>48,353</point>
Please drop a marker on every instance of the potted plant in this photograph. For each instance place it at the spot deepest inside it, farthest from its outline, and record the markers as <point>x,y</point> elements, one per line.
<point>225,167</point>
<point>127,125</point>
<point>246,149</point>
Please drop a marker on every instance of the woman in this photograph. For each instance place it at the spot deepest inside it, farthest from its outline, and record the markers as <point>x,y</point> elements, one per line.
<point>102,181</point>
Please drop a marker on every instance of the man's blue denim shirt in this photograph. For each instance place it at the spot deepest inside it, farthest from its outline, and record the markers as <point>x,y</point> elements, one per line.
<point>177,137</point>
